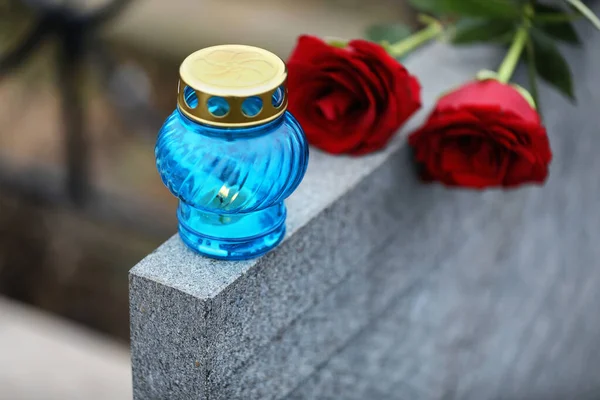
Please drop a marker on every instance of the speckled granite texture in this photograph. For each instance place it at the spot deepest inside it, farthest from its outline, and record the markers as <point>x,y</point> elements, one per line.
<point>235,327</point>
<point>389,289</point>
<point>513,311</point>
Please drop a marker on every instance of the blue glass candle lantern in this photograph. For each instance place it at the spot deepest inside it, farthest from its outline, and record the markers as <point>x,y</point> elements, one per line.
<point>230,152</point>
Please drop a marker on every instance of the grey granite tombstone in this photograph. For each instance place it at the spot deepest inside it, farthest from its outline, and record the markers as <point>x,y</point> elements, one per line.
<point>386,288</point>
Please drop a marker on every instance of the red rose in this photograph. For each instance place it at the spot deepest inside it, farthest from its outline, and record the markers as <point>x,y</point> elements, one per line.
<point>483,134</point>
<point>352,99</point>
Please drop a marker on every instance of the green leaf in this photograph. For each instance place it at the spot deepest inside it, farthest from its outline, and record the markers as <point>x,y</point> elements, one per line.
<point>471,31</point>
<point>564,32</point>
<point>487,8</point>
<point>430,6</point>
<point>391,33</point>
<point>550,65</point>
<point>585,11</point>
<point>554,18</point>
<point>560,30</point>
<point>547,9</point>
<point>506,9</point>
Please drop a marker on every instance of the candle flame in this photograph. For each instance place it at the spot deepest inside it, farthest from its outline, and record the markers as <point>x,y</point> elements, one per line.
<point>224,192</point>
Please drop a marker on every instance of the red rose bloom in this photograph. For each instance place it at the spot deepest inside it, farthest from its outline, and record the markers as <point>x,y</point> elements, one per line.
<point>483,134</point>
<point>352,99</point>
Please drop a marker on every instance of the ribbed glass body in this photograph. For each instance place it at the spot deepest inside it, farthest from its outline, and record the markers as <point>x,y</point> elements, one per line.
<point>231,182</point>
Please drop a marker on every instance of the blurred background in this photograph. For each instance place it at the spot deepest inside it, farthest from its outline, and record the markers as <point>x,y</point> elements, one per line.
<point>84,87</point>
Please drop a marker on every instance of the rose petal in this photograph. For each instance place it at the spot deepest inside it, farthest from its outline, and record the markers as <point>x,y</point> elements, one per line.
<point>349,100</point>
<point>472,180</point>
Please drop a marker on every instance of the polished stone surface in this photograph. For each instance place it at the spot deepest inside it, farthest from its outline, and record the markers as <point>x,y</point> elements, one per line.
<point>386,288</point>
<point>202,326</point>
<point>513,310</point>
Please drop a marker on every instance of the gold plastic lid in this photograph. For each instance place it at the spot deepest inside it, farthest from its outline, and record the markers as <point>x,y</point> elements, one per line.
<point>232,86</point>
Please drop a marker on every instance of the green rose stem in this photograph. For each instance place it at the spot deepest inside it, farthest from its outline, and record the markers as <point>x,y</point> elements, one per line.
<point>507,68</point>
<point>403,47</point>
<point>586,12</point>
